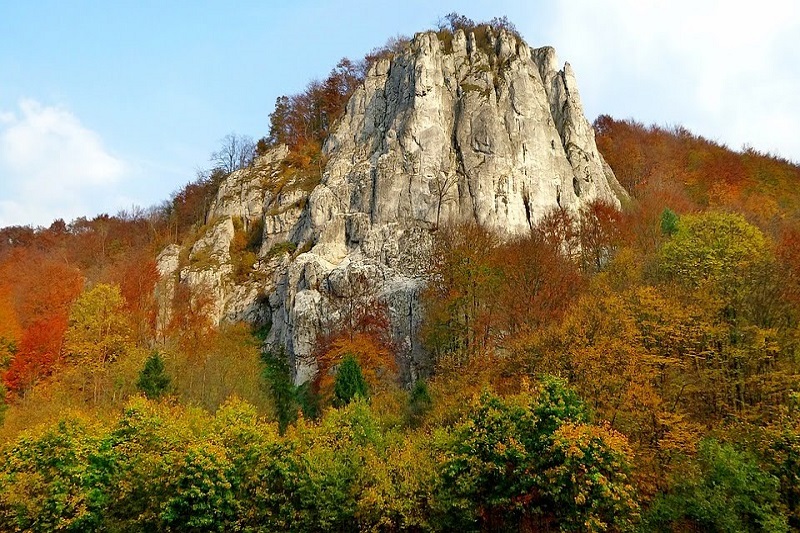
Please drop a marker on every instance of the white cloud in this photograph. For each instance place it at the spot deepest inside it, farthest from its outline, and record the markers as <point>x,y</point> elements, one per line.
<point>51,166</point>
<point>728,71</point>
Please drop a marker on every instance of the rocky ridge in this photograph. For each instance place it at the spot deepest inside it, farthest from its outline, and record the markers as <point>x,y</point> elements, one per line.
<point>447,130</point>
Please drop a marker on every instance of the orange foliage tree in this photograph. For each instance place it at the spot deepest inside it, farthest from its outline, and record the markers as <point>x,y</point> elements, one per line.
<point>483,292</point>
<point>646,159</point>
<point>599,234</point>
<point>365,333</point>
<point>539,282</point>
<point>788,252</point>
<point>43,290</point>
<point>10,330</point>
<point>308,117</point>
<point>374,357</point>
<point>460,299</point>
<point>190,322</point>
<point>136,275</point>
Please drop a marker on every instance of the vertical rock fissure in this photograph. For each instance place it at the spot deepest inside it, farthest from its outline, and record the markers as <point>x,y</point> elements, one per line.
<point>527,203</point>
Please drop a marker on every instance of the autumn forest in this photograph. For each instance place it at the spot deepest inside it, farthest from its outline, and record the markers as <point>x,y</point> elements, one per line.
<point>613,370</point>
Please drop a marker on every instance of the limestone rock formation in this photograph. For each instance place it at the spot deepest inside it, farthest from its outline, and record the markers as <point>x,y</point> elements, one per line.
<point>447,130</point>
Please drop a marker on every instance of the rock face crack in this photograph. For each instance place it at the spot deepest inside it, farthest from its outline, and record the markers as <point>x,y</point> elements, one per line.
<point>373,217</point>
<point>527,204</point>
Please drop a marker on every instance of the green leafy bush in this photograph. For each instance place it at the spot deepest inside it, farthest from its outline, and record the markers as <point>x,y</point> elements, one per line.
<point>725,490</point>
<point>286,247</point>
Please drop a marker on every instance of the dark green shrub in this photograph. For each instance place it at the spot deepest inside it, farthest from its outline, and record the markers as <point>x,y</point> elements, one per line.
<point>280,248</point>
<point>723,490</point>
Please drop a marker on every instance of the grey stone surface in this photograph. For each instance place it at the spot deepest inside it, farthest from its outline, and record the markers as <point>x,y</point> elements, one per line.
<point>487,132</point>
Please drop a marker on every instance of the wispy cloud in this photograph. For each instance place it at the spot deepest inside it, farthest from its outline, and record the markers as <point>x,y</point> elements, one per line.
<point>727,71</point>
<point>51,165</point>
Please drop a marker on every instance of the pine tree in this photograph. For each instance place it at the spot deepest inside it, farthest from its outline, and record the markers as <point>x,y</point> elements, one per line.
<point>349,383</point>
<point>669,222</point>
<point>419,402</point>
<point>278,378</point>
<point>153,380</point>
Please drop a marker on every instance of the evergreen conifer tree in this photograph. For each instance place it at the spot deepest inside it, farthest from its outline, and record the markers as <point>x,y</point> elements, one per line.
<point>419,402</point>
<point>349,382</point>
<point>153,379</point>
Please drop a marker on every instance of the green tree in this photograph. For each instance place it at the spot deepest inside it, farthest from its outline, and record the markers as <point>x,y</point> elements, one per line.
<point>202,497</point>
<point>488,476</point>
<point>588,479</point>
<point>139,470</point>
<point>349,383</point>
<point>716,249</point>
<point>557,404</point>
<point>781,454</point>
<point>278,379</point>
<point>724,490</point>
<point>255,452</point>
<point>398,487</point>
<point>322,476</point>
<point>727,266</point>
<point>533,462</point>
<point>44,481</point>
<point>669,222</point>
<point>153,379</point>
<point>419,402</point>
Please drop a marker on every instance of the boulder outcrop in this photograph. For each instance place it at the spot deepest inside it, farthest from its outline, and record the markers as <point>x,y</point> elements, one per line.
<point>447,130</point>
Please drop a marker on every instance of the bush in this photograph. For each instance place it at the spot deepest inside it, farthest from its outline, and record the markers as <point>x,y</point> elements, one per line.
<point>724,490</point>
<point>286,247</point>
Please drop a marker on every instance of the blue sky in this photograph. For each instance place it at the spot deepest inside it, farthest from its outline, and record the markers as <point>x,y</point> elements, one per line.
<point>109,105</point>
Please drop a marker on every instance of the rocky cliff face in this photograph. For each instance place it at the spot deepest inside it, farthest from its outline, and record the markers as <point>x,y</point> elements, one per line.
<point>445,131</point>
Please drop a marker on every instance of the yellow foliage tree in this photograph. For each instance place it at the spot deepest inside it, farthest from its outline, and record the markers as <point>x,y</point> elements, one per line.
<point>10,329</point>
<point>99,331</point>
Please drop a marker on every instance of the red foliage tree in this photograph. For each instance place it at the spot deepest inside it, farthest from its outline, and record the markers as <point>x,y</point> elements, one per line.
<point>136,275</point>
<point>669,160</point>
<point>540,281</point>
<point>43,289</point>
<point>599,234</point>
<point>38,353</point>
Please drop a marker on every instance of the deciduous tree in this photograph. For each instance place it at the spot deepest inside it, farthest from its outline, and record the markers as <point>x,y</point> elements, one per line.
<point>235,152</point>
<point>99,332</point>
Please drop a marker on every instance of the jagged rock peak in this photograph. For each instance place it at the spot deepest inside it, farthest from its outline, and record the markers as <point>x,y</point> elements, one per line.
<point>463,129</point>
<point>452,128</point>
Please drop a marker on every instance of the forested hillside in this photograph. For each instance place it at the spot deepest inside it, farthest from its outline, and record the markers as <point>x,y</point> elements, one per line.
<point>613,370</point>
